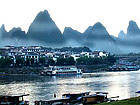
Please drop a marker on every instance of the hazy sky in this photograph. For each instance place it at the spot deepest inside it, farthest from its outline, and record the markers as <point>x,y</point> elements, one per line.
<point>78,14</point>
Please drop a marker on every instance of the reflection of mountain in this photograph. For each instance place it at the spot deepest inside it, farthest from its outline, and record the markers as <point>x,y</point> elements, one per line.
<point>44,31</point>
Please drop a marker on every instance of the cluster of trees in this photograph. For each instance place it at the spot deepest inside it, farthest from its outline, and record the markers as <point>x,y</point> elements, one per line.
<point>73,49</point>
<point>20,62</point>
<point>62,61</point>
<point>109,60</point>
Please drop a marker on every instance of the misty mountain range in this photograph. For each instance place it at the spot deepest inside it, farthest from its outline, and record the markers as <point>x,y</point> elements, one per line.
<point>44,32</point>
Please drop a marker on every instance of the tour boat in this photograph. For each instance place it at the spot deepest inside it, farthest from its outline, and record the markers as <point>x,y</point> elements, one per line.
<point>61,70</point>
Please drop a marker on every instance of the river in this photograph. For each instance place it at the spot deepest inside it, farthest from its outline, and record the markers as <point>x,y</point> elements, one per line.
<point>123,84</point>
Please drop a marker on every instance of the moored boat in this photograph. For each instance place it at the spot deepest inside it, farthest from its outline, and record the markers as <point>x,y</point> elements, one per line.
<point>67,99</point>
<point>75,97</point>
<point>99,97</point>
<point>123,68</point>
<point>61,71</point>
<point>13,99</point>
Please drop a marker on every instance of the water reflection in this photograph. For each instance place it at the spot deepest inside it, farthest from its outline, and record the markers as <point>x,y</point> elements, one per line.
<point>123,84</point>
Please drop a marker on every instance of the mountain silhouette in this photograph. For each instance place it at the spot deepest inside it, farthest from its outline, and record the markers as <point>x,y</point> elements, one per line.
<point>3,32</point>
<point>122,35</point>
<point>43,30</point>
<point>133,29</point>
<point>15,37</point>
<point>73,37</point>
<point>129,42</point>
<point>97,38</point>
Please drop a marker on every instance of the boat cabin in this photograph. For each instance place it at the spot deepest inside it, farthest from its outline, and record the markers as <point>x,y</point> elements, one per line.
<point>75,96</point>
<point>95,98</point>
<point>62,101</point>
<point>13,100</point>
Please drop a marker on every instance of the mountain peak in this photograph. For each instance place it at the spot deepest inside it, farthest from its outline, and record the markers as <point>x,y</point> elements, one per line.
<point>44,30</point>
<point>132,22</point>
<point>69,29</point>
<point>133,28</point>
<point>3,28</point>
<point>98,25</point>
<point>121,34</point>
<point>43,16</point>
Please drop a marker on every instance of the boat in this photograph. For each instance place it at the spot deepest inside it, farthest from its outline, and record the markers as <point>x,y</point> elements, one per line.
<point>78,98</point>
<point>99,97</point>
<point>62,101</point>
<point>123,68</point>
<point>75,97</point>
<point>61,71</point>
<point>13,99</point>
<point>67,99</point>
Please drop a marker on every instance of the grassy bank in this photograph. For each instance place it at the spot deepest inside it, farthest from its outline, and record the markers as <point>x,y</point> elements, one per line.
<point>131,101</point>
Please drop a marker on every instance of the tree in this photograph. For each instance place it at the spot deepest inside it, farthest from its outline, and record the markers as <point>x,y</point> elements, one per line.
<point>20,61</point>
<point>69,61</point>
<point>51,62</point>
<point>60,62</point>
<point>6,62</point>
<point>27,62</point>
<point>42,60</point>
<point>32,61</point>
<point>111,59</point>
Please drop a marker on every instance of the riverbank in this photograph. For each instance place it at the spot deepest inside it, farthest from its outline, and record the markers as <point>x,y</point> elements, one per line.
<point>93,68</point>
<point>22,70</point>
<point>130,101</point>
<point>36,70</point>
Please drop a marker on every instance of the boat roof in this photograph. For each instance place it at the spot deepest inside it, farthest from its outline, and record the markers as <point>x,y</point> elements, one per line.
<point>95,95</point>
<point>54,100</point>
<point>101,92</point>
<point>62,66</point>
<point>14,95</point>
<point>76,93</point>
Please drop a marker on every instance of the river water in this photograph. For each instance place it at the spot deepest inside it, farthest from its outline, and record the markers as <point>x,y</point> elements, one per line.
<point>123,84</point>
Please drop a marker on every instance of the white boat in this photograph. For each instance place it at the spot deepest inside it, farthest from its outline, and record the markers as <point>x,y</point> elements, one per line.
<point>61,70</point>
<point>123,68</point>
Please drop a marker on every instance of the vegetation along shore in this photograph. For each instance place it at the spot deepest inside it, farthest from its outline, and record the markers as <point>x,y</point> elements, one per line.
<point>130,101</point>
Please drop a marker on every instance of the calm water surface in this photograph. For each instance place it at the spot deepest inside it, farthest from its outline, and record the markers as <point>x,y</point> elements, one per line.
<point>123,84</point>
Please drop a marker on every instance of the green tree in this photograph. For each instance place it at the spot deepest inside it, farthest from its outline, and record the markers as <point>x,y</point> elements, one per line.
<point>60,62</point>
<point>32,61</point>
<point>28,62</point>
<point>69,61</point>
<point>20,61</point>
<point>6,62</point>
<point>51,62</point>
<point>111,59</point>
<point>42,60</point>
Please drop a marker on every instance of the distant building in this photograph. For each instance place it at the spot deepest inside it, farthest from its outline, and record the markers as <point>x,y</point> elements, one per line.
<point>75,56</point>
<point>99,54</point>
